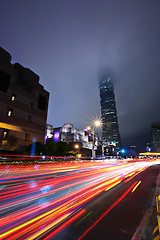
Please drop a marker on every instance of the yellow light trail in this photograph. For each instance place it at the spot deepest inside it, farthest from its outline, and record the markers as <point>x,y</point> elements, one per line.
<point>136,186</point>
<point>84,181</point>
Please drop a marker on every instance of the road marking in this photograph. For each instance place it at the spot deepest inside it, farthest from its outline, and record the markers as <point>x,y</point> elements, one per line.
<point>108,210</point>
<point>83,218</point>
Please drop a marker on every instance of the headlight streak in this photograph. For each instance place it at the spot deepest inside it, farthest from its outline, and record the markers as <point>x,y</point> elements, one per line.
<point>31,218</point>
<point>55,183</point>
<point>50,236</point>
<point>108,210</point>
<point>136,186</point>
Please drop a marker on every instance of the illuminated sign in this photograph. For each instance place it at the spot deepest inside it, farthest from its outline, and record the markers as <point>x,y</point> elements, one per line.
<point>56,136</point>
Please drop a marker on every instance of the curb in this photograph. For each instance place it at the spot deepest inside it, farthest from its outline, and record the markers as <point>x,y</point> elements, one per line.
<point>145,228</point>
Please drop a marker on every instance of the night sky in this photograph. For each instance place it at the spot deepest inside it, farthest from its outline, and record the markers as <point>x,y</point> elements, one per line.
<point>68,43</point>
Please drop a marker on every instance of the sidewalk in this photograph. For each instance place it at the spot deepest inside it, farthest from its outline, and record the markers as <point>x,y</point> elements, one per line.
<point>147,229</point>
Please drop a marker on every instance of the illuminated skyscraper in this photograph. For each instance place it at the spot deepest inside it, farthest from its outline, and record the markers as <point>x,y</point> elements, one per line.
<point>110,129</point>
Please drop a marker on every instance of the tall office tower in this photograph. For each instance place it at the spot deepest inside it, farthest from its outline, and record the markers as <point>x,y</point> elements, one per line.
<point>110,129</point>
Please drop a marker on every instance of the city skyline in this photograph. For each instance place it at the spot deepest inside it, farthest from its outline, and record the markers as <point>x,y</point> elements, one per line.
<point>68,44</point>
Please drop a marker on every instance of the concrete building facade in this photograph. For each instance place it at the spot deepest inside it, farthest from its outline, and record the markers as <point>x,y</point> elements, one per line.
<point>68,133</point>
<point>23,103</point>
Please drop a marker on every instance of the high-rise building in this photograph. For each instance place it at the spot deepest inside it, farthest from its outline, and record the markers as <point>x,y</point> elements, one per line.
<point>155,137</point>
<point>110,129</point>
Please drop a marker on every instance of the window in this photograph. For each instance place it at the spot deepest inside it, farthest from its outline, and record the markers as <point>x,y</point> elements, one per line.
<point>31,105</point>
<point>26,137</point>
<point>29,118</point>
<point>4,81</point>
<point>10,112</point>
<point>42,102</point>
<point>13,97</point>
<point>5,134</point>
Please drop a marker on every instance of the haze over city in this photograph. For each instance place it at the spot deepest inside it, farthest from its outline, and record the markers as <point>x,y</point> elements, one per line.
<point>69,43</point>
<point>79,120</point>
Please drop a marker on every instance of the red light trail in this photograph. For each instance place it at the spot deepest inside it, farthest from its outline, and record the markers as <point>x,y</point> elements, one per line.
<point>41,200</point>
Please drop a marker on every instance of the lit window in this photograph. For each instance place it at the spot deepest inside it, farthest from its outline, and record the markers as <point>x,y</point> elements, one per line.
<point>4,134</point>
<point>10,111</point>
<point>13,97</point>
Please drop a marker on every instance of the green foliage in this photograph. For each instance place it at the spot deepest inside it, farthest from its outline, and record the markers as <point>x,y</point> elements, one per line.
<point>49,148</point>
<point>72,153</point>
<point>52,148</point>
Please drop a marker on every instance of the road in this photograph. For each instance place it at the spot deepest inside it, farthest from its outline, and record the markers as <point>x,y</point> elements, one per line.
<point>75,200</point>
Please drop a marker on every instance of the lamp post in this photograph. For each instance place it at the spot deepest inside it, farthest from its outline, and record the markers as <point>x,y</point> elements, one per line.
<point>96,124</point>
<point>93,152</point>
<point>102,150</point>
<point>77,147</point>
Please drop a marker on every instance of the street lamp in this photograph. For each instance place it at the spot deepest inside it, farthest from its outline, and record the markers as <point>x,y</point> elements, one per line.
<point>96,124</point>
<point>76,146</point>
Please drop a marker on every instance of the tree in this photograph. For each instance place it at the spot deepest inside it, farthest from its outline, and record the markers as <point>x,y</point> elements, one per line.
<point>9,143</point>
<point>49,148</point>
<point>52,148</point>
<point>63,148</point>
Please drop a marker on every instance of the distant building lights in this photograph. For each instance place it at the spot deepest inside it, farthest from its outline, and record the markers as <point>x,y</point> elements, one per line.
<point>123,151</point>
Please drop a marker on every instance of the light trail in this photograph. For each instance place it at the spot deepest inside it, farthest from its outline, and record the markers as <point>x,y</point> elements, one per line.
<point>136,186</point>
<point>108,210</point>
<point>41,200</point>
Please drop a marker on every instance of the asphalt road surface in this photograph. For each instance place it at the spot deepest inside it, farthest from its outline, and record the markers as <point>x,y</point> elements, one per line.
<point>80,200</point>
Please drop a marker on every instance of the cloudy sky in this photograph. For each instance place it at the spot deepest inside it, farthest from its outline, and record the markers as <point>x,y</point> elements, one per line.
<point>68,43</point>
